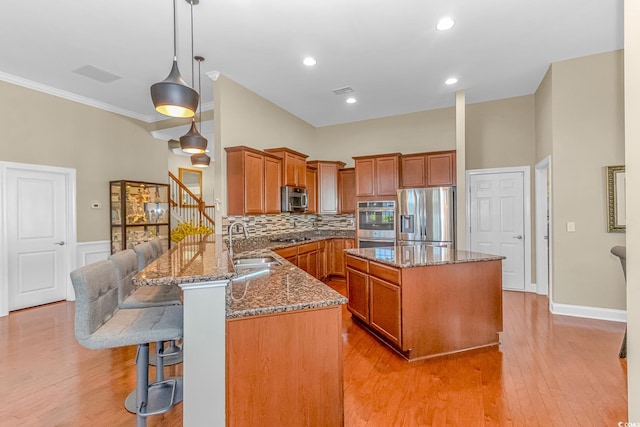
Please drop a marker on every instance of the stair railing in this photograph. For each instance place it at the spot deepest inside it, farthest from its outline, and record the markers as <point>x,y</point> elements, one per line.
<point>187,207</point>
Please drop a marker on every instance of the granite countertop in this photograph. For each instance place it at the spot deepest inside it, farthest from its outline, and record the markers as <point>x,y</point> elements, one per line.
<point>420,255</point>
<point>281,288</point>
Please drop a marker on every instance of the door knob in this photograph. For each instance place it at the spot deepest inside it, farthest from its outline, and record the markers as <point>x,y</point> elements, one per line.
<point>519,237</point>
<point>59,243</point>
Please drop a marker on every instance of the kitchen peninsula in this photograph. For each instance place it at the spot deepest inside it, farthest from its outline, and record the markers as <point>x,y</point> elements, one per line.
<point>280,336</point>
<point>425,301</point>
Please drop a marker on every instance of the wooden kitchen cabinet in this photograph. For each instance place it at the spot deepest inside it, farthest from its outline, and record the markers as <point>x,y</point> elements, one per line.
<point>384,310</point>
<point>294,166</point>
<point>312,190</point>
<point>290,254</point>
<point>441,169</point>
<point>336,261</point>
<point>327,185</point>
<point>377,175</point>
<point>308,258</point>
<point>252,181</point>
<point>272,183</point>
<point>347,190</point>
<point>436,169</point>
<point>358,294</point>
<point>322,260</point>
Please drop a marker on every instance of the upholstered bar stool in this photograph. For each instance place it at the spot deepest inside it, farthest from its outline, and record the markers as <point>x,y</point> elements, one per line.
<point>621,253</point>
<point>126,265</point>
<point>146,254</point>
<point>157,244</point>
<point>100,324</point>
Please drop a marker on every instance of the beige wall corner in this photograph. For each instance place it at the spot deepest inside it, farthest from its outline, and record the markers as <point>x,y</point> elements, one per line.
<point>632,161</point>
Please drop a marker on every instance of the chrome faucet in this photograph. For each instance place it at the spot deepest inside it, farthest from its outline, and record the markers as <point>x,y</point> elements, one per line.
<point>230,229</point>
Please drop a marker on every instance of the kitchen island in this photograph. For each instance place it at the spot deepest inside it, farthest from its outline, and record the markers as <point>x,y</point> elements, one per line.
<point>425,301</point>
<point>277,340</point>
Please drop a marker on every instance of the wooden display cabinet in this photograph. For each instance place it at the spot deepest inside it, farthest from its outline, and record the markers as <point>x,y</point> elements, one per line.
<point>140,212</point>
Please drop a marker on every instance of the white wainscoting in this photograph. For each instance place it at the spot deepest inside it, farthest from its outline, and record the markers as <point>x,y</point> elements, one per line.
<point>90,252</point>
<point>589,312</point>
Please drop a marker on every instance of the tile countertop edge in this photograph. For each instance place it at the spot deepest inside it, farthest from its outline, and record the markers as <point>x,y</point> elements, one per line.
<point>477,257</point>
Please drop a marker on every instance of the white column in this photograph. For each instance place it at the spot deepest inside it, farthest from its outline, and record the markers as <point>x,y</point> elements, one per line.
<point>461,167</point>
<point>204,354</point>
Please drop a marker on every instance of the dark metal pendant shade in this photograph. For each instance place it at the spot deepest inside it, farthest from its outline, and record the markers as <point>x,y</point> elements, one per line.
<point>200,160</point>
<point>172,97</point>
<point>192,142</point>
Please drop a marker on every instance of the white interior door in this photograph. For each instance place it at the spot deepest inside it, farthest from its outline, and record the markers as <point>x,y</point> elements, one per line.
<point>497,222</point>
<point>36,213</point>
<point>543,221</point>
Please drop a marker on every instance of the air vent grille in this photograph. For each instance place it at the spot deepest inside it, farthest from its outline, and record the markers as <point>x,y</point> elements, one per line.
<point>343,90</point>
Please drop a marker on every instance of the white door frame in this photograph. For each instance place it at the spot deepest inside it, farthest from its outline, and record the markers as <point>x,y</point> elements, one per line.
<point>70,239</point>
<point>526,200</point>
<point>542,171</point>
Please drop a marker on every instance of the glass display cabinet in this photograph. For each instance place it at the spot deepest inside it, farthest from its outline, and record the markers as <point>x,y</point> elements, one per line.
<point>140,212</point>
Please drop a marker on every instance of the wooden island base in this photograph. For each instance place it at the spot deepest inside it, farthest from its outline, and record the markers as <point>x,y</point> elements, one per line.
<point>428,310</point>
<point>285,369</point>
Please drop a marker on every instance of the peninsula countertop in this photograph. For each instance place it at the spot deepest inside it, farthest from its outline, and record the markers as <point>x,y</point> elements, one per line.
<point>418,255</point>
<point>279,289</point>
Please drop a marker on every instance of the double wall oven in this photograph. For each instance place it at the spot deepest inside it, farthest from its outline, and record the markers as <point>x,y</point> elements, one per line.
<point>376,226</point>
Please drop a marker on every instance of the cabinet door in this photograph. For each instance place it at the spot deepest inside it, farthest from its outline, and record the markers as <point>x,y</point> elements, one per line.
<point>384,315</point>
<point>441,169</point>
<point>386,176</point>
<point>365,177</point>
<point>337,257</point>
<point>300,167</point>
<point>289,168</point>
<point>312,177</point>
<point>322,260</point>
<point>346,191</point>
<point>327,188</point>
<point>414,171</point>
<point>254,183</point>
<point>272,182</point>
<point>358,294</point>
<point>309,263</point>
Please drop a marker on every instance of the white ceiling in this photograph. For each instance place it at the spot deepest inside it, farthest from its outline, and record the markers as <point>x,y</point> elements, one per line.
<point>388,51</point>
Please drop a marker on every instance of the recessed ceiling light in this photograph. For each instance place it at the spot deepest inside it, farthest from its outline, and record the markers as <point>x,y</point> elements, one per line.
<point>351,100</point>
<point>445,24</point>
<point>451,81</point>
<point>309,61</point>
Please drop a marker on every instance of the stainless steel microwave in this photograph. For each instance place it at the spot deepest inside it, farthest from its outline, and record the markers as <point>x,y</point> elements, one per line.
<point>293,199</point>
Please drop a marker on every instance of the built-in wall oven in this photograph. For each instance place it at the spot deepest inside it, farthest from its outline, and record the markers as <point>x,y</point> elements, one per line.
<point>376,224</point>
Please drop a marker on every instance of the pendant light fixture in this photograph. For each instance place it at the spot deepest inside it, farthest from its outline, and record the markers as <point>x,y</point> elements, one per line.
<point>172,97</point>
<point>199,160</point>
<point>192,142</point>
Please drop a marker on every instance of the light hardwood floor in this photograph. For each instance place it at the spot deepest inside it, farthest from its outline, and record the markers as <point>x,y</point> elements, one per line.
<point>548,371</point>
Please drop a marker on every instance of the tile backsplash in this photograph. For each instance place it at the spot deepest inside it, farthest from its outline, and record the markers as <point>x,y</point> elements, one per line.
<point>266,225</point>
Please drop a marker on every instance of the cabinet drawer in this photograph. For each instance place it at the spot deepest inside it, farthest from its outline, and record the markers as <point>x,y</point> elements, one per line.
<point>287,252</point>
<point>307,247</point>
<point>357,263</point>
<point>384,272</point>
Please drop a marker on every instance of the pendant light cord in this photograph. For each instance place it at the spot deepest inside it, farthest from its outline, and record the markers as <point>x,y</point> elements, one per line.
<point>193,83</point>
<point>175,31</point>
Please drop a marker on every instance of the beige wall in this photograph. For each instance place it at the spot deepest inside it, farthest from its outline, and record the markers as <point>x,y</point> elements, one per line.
<point>588,134</point>
<point>101,146</point>
<point>632,165</point>
<point>501,133</point>
<point>544,118</point>
<point>432,130</point>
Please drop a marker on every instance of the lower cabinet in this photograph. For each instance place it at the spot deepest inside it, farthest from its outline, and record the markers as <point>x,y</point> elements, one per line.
<point>322,260</point>
<point>374,296</point>
<point>290,254</point>
<point>308,258</point>
<point>336,257</point>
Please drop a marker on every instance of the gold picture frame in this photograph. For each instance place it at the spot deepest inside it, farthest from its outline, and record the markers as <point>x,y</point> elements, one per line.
<point>616,200</point>
<point>192,179</point>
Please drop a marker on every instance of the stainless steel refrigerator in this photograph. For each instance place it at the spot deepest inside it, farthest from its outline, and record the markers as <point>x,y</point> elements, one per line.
<point>427,215</point>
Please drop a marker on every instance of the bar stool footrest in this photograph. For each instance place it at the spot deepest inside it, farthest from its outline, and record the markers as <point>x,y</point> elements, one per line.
<point>163,395</point>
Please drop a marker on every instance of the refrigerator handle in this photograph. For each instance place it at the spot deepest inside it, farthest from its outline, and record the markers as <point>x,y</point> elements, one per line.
<point>406,224</point>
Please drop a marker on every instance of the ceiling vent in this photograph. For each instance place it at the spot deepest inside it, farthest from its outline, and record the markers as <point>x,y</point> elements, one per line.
<point>96,73</point>
<point>343,90</point>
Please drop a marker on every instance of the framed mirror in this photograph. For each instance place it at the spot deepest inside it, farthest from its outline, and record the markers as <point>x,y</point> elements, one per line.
<point>192,179</point>
<point>616,201</point>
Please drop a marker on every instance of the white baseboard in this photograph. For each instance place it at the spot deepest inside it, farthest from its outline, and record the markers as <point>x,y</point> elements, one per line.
<point>589,312</point>
<point>90,252</point>
<point>531,287</point>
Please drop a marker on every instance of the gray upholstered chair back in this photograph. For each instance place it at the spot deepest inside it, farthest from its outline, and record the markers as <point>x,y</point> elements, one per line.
<point>621,252</point>
<point>144,251</point>
<point>157,244</point>
<point>126,264</point>
<point>96,288</point>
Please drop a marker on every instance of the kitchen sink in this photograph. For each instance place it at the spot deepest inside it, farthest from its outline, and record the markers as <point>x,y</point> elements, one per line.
<point>255,263</point>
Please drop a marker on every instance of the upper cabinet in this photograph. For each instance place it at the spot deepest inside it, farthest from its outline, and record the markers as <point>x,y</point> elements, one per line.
<point>435,169</point>
<point>327,185</point>
<point>294,166</point>
<point>253,181</point>
<point>312,189</point>
<point>377,175</point>
<point>346,190</point>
